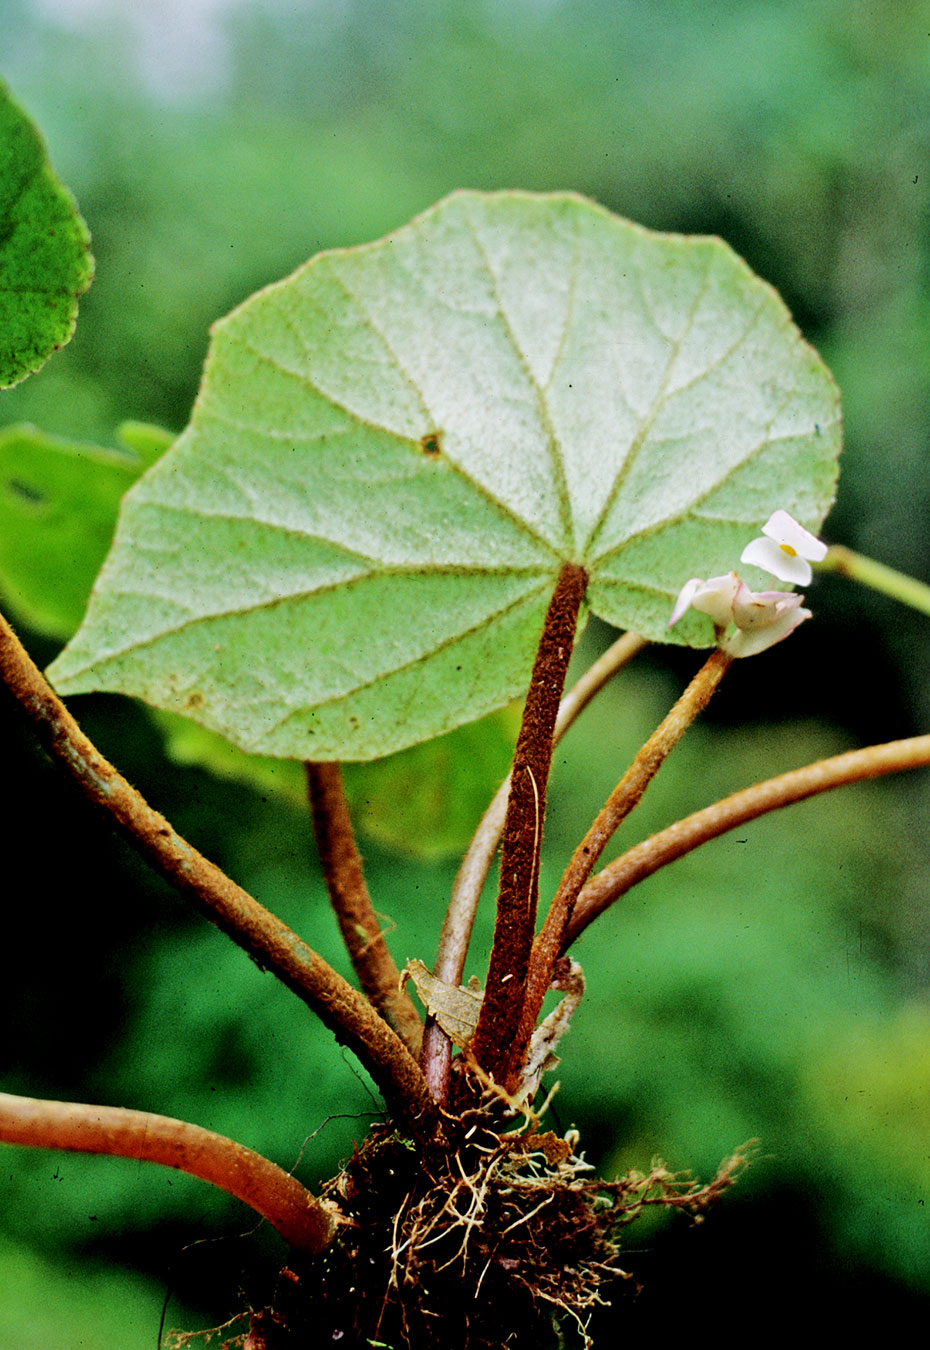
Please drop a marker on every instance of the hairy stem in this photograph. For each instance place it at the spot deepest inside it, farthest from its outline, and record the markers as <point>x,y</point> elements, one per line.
<point>876,575</point>
<point>259,932</point>
<point>436,1056</point>
<point>663,848</point>
<point>345,881</point>
<point>268,1189</point>
<point>620,803</point>
<point>516,901</point>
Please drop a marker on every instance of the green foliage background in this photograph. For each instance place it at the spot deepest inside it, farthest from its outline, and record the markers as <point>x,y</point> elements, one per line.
<point>773,985</point>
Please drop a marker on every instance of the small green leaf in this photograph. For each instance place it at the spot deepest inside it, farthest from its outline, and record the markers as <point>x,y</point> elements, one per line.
<point>59,502</point>
<point>192,745</point>
<point>352,546</point>
<point>403,802</point>
<point>45,261</point>
<point>145,440</point>
<point>426,801</point>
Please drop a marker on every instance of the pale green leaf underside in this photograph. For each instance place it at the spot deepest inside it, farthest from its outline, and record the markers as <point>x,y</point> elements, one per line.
<point>353,545</point>
<point>58,507</point>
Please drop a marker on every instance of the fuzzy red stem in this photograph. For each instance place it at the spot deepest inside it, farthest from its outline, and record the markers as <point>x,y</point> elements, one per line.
<point>436,1054</point>
<point>517,897</point>
<point>358,923</point>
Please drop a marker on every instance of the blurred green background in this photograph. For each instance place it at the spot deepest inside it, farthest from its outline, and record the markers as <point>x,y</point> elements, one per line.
<point>773,985</point>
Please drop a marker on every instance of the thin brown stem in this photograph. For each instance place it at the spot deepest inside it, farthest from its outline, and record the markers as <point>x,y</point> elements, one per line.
<point>436,1055</point>
<point>268,1189</point>
<point>618,806</point>
<point>517,897</point>
<point>259,932</point>
<point>345,881</point>
<point>663,848</point>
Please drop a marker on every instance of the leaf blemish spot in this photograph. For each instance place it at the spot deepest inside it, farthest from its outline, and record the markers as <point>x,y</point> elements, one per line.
<point>431,444</point>
<point>25,492</point>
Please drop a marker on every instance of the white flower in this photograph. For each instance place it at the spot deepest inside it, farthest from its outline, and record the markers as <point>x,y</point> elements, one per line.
<point>747,622</point>
<point>763,618</point>
<point>714,597</point>
<point>787,551</point>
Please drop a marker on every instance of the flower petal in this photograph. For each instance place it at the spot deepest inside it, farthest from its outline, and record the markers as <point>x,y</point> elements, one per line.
<point>788,534</point>
<point>754,640</point>
<point>759,609</point>
<point>771,557</point>
<point>715,597</point>
<point>684,599</point>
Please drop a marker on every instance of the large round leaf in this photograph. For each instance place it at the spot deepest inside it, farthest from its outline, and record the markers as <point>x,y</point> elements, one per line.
<point>353,545</point>
<point>45,263</point>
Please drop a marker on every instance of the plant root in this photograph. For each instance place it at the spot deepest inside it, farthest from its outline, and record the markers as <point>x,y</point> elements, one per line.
<point>487,1240</point>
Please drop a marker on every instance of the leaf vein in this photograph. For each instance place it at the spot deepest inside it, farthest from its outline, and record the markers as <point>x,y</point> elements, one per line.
<point>639,439</point>
<point>553,445</point>
<point>486,493</point>
<point>691,511</point>
<point>342,583</point>
<point>491,617</point>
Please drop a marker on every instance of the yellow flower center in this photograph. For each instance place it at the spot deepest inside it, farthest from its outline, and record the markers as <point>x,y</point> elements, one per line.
<point>786,548</point>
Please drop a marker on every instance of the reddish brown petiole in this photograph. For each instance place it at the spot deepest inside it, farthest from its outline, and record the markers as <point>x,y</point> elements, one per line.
<point>517,897</point>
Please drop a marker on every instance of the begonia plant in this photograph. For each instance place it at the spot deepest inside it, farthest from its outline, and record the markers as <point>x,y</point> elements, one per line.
<point>412,470</point>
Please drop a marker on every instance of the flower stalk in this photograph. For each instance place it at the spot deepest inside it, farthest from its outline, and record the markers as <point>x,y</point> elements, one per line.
<point>625,796</point>
<point>738,809</point>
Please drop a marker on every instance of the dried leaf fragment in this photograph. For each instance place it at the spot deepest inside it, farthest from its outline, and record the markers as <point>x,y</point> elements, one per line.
<point>455,1007</point>
<point>541,1058</point>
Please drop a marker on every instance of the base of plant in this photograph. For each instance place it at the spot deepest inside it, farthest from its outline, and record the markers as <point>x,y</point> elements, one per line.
<point>484,1240</point>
